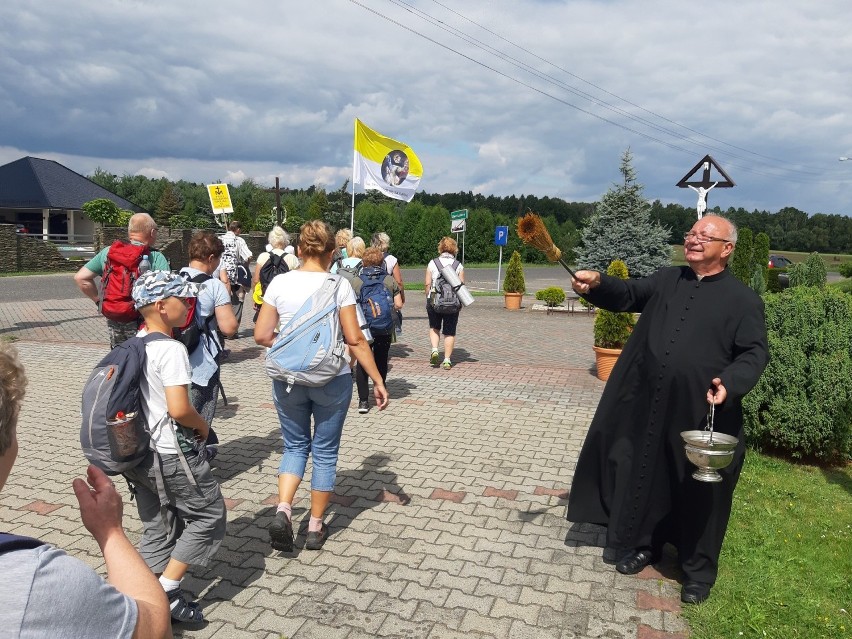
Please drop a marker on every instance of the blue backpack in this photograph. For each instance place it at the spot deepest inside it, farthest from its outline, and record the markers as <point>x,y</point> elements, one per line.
<point>375,300</point>
<point>309,349</point>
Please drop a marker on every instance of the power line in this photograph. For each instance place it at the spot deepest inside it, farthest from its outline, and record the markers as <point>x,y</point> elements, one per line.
<point>549,79</point>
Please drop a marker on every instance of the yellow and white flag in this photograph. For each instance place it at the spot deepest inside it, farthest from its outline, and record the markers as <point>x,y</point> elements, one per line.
<point>384,164</point>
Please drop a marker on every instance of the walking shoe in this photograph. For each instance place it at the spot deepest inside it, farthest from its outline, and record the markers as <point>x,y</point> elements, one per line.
<point>433,359</point>
<point>364,407</point>
<point>315,540</point>
<point>281,533</point>
<point>447,365</point>
<point>183,611</point>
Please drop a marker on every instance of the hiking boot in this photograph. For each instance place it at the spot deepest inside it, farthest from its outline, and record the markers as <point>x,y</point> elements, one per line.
<point>433,359</point>
<point>364,407</point>
<point>447,365</point>
<point>315,540</point>
<point>281,532</point>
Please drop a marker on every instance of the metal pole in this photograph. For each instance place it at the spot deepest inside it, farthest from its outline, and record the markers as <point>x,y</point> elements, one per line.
<point>277,202</point>
<point>499,264</point>
<point>463,234</point>
<point>352,213</point>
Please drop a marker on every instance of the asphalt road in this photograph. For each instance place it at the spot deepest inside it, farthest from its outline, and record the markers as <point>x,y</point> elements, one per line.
<point>60,286</point>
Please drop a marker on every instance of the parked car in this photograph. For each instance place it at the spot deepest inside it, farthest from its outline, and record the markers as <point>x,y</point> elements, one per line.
<point>779,261</point>
<point>21,228</point>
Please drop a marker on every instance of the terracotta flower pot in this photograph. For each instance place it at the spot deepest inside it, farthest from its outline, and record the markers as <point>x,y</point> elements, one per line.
<point>512,301</point>
<point>605,360</point>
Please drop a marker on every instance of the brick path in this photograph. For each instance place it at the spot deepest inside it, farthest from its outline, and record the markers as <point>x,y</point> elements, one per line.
<point>448,517</point>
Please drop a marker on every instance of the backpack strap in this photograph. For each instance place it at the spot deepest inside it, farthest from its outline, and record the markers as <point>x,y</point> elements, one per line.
<point>10,542</point>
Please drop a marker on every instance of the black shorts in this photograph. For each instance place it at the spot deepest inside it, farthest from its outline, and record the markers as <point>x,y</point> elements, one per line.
<point>449,321</point>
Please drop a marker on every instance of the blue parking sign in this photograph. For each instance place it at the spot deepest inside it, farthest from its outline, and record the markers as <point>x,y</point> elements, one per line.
<point>501,235</point>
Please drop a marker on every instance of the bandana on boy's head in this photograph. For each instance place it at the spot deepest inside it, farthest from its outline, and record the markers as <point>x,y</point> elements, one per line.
<point>154,286</point>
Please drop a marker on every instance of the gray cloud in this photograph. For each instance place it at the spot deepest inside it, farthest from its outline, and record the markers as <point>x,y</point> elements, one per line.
<point>208,90</point>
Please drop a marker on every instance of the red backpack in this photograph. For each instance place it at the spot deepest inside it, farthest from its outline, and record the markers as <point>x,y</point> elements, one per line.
<point>121,269</point>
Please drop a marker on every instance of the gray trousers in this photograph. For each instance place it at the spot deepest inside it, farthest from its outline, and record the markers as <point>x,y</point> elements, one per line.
<point>193,525</point>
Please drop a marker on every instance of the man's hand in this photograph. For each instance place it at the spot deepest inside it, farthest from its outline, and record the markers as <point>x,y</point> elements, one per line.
<point>100,505</point>
<point>717,393</point>
<point>584,281</point>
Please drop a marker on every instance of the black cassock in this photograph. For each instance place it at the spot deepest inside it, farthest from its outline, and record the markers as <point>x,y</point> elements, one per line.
<point>632,474</point>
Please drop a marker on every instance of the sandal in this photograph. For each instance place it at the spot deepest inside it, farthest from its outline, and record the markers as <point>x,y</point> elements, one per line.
<point>184,611</point>
<point>315,540</point>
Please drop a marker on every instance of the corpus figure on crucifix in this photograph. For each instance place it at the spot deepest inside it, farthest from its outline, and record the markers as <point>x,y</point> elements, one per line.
<point>701,206</point>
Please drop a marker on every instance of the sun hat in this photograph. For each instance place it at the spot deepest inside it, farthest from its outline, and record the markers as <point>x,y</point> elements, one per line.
<point>154,286</point>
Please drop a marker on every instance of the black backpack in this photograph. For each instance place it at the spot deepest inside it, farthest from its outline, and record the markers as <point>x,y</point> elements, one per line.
<point>190,333</point>
<point>445,300</point>
<point>275,265</point>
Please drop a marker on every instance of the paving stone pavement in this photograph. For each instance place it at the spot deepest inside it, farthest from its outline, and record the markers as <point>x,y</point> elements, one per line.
<point>448,516</point>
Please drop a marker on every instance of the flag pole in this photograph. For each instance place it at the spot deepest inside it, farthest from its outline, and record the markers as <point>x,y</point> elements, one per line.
<point>354,160</point>
<point>352,212</point>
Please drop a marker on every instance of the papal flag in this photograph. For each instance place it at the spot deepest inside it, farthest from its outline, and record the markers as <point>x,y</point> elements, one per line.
<point>384,164</point>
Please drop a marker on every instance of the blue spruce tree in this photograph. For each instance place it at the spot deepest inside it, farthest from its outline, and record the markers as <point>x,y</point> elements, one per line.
<point>621,229</point>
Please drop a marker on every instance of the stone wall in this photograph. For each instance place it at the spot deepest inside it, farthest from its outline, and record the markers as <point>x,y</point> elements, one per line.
<point>20,252</point>
<point>23,253</point>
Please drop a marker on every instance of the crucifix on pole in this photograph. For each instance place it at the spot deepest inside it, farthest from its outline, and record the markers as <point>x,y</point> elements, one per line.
<point>277,190</point>
<point>702,187</point>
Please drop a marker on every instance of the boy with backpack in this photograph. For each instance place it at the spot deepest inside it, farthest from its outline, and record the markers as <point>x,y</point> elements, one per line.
<point>378,296</point>
<point>118,266</point>
<point>443,304</point>
<point>189,527</point>
<point>46,593</point>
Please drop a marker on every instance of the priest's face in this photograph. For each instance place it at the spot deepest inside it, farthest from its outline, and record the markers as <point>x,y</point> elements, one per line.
<point>708,245</point>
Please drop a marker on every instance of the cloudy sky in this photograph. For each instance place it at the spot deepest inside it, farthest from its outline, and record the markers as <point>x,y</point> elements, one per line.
<point>498,97</point>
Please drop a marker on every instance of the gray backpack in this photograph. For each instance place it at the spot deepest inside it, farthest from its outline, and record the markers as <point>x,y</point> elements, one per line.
<point>113,435</point>
<point>309,349</point>
<point>444,298</point>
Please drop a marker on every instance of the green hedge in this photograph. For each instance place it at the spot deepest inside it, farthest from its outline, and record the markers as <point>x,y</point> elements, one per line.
<point>802,404</point>
<point>772,283</point>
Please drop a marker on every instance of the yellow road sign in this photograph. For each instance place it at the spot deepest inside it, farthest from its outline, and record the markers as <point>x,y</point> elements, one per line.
<point>220,199</point>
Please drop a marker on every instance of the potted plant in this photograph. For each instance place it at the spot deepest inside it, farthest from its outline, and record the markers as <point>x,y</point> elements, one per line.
<point>514,285</point>
<point>611,329</point>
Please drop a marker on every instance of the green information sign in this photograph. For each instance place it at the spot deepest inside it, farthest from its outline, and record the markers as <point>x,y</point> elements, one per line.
<point>459,215</point>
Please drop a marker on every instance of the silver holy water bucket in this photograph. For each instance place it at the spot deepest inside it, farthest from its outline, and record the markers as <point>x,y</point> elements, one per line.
<point>708,450</point>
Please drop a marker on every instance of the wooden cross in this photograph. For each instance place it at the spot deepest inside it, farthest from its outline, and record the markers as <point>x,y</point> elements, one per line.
<point>278,191</point>
<point>703,187</point>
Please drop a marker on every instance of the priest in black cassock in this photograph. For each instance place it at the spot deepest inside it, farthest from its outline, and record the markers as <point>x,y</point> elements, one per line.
<point>701,339</point>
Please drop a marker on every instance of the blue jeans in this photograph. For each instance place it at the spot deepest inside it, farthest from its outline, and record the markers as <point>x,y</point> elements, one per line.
<point>328,405</point>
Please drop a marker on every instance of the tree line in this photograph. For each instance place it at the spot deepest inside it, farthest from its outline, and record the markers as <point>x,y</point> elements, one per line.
<point>416,227</point>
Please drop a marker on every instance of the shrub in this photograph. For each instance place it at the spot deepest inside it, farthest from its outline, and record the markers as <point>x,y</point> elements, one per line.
<point>612,329</point>
<point>772,283</point>
<point>802,404</point>
<point>552,296</point>
<point>514,280</point>
<point>743,255</point>
<point>846,269</point>
<point>811,272</point>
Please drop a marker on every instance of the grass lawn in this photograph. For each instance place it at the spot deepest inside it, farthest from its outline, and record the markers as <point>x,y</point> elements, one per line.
<point>786,566</point>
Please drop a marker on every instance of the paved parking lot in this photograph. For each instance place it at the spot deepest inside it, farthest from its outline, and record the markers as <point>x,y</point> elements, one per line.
<point>448,517</point>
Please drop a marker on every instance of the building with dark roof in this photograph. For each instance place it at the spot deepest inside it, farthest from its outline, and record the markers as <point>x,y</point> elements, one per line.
<point>45,198</point>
